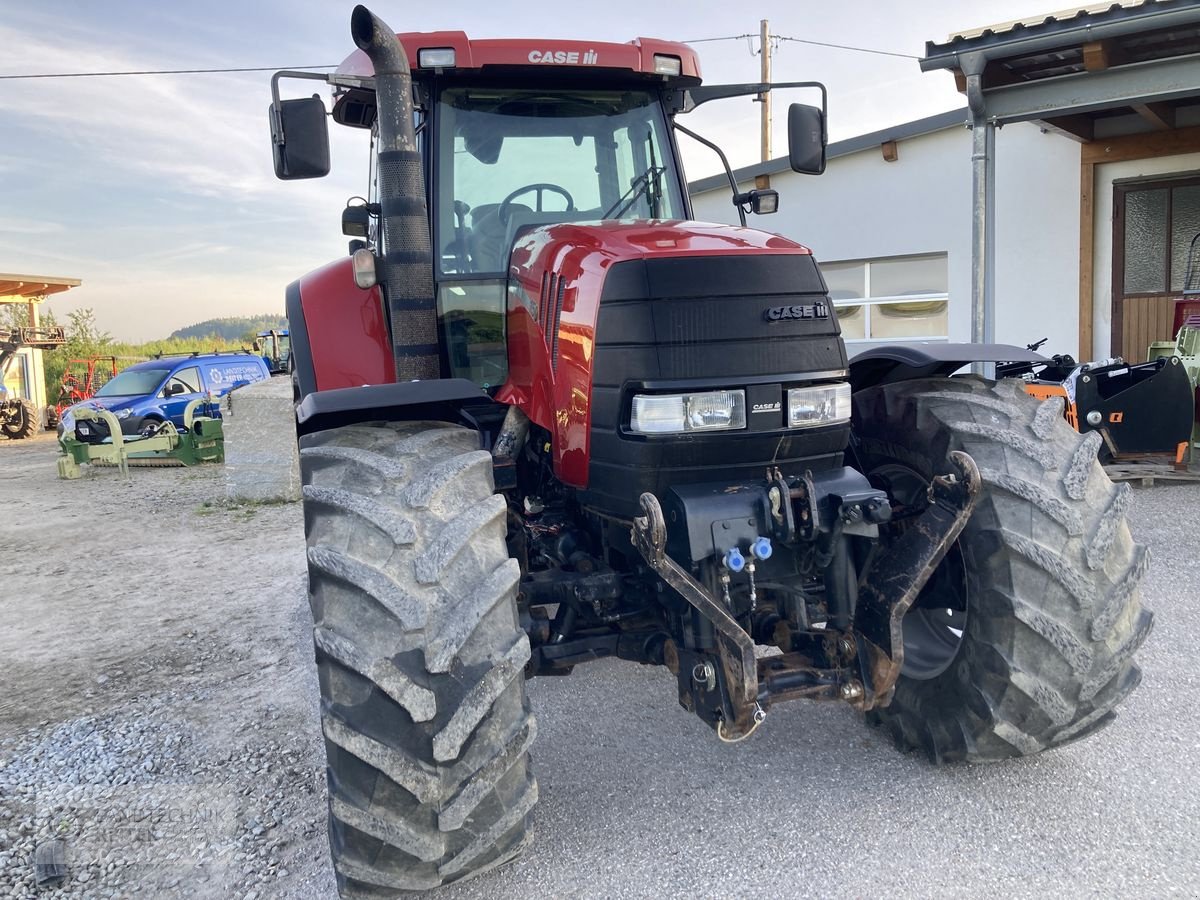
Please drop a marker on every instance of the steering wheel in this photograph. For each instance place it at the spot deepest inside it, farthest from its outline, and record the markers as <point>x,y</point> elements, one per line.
<point>541,187</point>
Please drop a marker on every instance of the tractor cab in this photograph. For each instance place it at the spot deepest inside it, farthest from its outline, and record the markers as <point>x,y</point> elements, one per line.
<point>516,135</point>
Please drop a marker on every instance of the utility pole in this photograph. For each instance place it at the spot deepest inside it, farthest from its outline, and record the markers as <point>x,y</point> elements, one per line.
<point>764,38</point>
<point>762,182</point>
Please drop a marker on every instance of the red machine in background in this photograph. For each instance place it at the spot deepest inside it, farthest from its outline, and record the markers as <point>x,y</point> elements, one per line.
<point>82,379</point>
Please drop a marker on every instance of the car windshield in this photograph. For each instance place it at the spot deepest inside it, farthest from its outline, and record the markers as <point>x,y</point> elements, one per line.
<point>134,382</point>
<point>513,157</point>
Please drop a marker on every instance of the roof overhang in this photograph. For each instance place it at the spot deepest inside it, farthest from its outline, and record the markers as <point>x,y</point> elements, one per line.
<point>27,288</point>
<point>1070,70</point>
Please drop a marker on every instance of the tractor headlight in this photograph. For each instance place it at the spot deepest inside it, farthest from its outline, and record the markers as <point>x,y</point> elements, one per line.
<point>828,404</point>
<point>679,413</point>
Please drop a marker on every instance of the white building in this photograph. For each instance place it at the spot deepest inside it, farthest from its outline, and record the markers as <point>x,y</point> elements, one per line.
<point>1096,147</point>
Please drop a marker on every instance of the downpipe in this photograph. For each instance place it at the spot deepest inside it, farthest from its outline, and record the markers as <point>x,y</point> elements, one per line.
<point>406,267</point>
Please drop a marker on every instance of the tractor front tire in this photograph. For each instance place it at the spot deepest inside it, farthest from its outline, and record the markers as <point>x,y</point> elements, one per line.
<point>22,420</point>
<point>1024,638</point>
<point>420,656</point>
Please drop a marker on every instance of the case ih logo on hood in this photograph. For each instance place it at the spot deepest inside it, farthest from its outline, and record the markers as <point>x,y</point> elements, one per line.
<point>813,311</point>
<point>570,57</point>
<point>767,407</point>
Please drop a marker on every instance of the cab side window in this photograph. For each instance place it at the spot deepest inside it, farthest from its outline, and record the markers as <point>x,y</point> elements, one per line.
<point>189,378</point>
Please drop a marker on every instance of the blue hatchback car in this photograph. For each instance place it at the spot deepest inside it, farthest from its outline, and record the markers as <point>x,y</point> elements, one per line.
<point>149,393</point>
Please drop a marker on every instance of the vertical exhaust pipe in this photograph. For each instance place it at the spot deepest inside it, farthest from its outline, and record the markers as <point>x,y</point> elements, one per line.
<point>407,264</point>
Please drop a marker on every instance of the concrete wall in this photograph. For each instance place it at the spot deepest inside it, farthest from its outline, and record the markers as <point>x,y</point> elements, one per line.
<point>1106,175</point>
<point>863,207</point>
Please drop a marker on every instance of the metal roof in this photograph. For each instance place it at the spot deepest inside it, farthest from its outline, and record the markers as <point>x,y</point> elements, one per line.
<point>1137,64</point>
<point>23,288</point>
<point>955,118</point>
<point>1026,37</point>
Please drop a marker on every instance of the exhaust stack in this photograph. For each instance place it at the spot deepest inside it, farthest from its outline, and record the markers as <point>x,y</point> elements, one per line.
<point>407,263</point>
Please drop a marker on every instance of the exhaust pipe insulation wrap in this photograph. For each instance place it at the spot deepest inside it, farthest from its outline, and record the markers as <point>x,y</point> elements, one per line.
<point>407,264</point>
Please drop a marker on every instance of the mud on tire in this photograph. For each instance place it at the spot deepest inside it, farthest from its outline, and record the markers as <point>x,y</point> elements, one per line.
<point>420,656</point>
<point>1048,569</point>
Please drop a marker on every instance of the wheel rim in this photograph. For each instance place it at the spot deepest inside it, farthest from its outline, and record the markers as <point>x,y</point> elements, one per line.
<point>933,627</point>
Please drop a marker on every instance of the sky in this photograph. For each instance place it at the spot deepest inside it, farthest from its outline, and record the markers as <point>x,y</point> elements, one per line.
<point>158,191</point>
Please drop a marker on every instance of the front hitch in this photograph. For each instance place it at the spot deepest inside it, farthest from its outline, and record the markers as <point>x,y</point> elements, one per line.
<point>899,574</point>
<point>862,663</point>
<point>735,647</point>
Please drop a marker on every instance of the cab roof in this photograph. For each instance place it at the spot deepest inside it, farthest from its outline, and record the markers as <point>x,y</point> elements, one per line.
<point>636,56</point>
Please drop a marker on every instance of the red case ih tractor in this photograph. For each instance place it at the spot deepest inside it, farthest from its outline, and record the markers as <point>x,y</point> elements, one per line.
<point>545,418</point>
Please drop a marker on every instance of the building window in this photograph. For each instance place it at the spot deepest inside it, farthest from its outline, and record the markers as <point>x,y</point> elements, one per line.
<point>891,298</point>
<point>1159,221</point>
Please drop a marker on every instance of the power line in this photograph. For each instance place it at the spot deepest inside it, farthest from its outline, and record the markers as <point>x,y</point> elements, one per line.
<point>730,37</point>
<point>847,47</point>
<point>157,72</point>
<point>777,37</point>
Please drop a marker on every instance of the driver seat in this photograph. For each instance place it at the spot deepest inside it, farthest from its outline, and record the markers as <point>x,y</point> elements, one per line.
<point>488,237</point>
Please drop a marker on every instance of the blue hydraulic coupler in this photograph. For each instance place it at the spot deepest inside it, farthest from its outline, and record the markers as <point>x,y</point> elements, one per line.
<point>734,561</point>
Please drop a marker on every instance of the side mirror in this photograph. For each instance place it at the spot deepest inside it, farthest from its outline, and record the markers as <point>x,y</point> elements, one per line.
<point>806,139</point>
<point>173,389</point>
<point>300,138</point>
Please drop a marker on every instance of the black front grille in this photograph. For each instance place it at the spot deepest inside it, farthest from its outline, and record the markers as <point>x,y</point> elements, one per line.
<point>707,321</point>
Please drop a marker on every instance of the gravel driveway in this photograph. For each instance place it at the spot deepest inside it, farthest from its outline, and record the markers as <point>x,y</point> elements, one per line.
<point>159,715</point>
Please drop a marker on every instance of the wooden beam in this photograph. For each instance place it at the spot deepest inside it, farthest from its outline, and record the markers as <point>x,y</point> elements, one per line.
<point>1078,127</point>
<point>960,80</point>
<point>1143,146</point>
<point>1096,55</point>
<point>891,151</point>
<point>1087,243</point>
<point>1160,115</point>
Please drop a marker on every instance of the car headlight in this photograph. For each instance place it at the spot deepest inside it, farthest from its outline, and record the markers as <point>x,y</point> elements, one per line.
<point>122,413</point>
<point>679,413</point>
<point>66,424</point>
<point>827,404</point>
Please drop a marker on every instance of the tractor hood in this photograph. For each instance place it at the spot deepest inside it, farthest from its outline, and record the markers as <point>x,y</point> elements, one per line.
<point>594,306</point>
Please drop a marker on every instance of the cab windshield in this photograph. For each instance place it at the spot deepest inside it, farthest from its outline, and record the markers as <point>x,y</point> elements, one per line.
<point>134,383</point>
<point>511,158</point>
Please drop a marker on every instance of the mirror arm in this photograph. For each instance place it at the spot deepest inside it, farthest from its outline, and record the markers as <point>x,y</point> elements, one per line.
<point>725,162</point>
<point>276,120</point>
<point>685,100</point>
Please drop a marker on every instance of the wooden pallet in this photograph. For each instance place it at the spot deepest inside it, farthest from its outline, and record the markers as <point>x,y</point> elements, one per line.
<point>1150,472</point>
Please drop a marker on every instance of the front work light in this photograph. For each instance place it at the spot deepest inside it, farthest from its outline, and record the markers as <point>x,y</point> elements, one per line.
<point>762,201</point>
<point>827,404</point>
<point>680,413</point>
<point>667,65</point>
<point>436,57</point>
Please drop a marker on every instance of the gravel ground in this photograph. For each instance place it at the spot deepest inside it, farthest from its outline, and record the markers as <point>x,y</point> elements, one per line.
<point>159,716</point>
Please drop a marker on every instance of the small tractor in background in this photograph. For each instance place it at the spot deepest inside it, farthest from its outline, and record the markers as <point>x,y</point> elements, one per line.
<point>545,418</point>
<point>20,418</point>
<point>275,347</point>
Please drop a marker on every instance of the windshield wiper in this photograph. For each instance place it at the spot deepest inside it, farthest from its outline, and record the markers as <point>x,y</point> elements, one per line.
<point>645,184</point>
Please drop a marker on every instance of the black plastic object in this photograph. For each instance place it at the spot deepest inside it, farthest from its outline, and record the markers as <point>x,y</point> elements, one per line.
<point>440,400</point>
<point>49,863</point>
